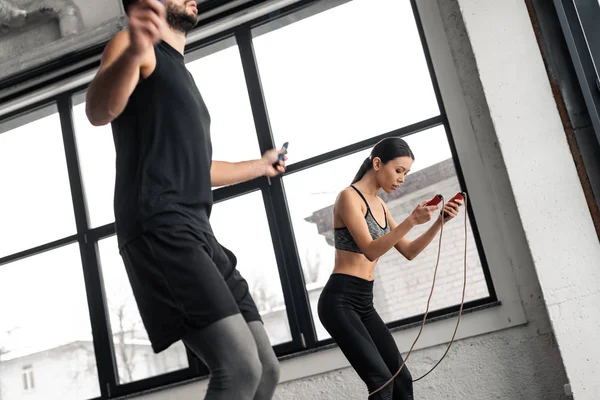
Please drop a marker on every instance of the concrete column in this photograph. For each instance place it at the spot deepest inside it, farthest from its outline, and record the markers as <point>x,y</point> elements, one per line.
<point>542,174</point>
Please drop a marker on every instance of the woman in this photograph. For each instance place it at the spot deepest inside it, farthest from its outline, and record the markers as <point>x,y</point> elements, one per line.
<point>346,303</point>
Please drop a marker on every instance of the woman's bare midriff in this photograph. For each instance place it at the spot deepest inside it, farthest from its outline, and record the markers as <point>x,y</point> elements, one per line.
<point>355,264</point>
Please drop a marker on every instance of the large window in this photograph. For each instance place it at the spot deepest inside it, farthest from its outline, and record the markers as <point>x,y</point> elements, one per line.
<point>307,76</point>
<point>401,287</point>
<point>96,151</point>
<point>327,88</point>
<point>132,350</point>
<point>46,343</point>
<point>35,205</point>
<point>339,89</point>
<point>247,235</point>
<point>218,72</point>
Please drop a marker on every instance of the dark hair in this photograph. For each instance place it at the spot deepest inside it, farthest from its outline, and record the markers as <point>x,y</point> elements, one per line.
<point>386,149</point>
<point>127,3</point>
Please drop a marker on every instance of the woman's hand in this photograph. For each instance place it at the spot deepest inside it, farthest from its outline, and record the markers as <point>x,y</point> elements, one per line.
<point>422,213</point>
<point>451,209</point>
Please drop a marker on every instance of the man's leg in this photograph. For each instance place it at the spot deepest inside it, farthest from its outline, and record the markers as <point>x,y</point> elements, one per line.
<point>228,349</point>
<point>239,289</point>
<point>182,294</point>
<point>268,360</point>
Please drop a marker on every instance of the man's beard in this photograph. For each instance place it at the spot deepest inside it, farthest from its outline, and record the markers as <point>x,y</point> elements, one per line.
<point>179,19</point>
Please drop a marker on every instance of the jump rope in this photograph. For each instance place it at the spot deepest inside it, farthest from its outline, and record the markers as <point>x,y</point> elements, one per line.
<point>435,201</point>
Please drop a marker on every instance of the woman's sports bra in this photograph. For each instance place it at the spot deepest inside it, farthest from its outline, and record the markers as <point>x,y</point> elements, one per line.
<point>342,238</point>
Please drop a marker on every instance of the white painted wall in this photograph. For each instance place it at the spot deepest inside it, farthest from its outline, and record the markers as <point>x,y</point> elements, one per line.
<point>548,193</point>
<point>516,160</point>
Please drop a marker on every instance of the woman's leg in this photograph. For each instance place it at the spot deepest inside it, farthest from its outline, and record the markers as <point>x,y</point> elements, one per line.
<point>346,328</point>
<point>386,346</point>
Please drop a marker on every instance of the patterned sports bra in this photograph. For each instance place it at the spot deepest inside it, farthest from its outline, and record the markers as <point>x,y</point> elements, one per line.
<point>342,238</point>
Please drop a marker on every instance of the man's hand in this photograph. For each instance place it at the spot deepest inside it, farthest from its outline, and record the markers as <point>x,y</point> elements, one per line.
<point>224,173</point>
<point>147,21</point>
<point>270,158</point>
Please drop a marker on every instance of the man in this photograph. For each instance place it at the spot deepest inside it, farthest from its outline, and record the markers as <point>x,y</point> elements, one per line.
<point>185,283</point>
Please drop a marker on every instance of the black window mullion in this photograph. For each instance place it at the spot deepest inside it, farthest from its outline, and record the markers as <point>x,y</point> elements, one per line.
<point>280,224</point>
<point>293,303</point>
<point>106,363</point>
<point>255,93</point>
<point>38,250</point>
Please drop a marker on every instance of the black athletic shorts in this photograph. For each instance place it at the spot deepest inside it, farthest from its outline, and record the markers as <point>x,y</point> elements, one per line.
<point>183,280</point>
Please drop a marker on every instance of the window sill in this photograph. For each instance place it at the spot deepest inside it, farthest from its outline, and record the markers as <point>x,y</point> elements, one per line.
<point>328,345</point>
<point>475,321</point>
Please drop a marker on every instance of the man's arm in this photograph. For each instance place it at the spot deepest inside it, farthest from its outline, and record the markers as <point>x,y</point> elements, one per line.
<point>224,173</point>
<point>116,79</point>
<point>128,55</point>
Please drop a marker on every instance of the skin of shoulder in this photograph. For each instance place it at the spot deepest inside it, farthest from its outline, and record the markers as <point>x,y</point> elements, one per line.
<point>346,199</point>
<point>118,45</point>
<point>350,212</point>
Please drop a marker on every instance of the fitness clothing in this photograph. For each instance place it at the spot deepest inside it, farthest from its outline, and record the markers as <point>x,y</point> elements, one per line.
<point>346,311</point>
<point>181,277</point>
<point>163,152</point>
<point>184,280</point>
<point>242,360</point>
<point>343,240</point>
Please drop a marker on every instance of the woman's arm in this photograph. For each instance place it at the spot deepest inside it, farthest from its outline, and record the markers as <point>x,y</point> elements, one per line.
<point>349,207</point>
<point>412,248</point>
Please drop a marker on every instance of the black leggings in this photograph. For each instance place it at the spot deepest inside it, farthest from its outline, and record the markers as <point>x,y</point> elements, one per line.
<point>346,311</point>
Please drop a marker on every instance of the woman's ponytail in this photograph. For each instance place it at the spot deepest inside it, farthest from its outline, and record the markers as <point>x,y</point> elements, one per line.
<point>365,166</point>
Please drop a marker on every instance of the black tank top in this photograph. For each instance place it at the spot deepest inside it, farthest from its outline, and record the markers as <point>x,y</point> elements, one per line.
<point>163,152</point>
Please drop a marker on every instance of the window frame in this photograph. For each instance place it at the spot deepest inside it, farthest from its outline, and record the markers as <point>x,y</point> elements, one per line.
<point>577,20</point>
<point>304,338</point>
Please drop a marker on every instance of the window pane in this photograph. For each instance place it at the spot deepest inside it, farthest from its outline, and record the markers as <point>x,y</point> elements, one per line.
<point>240,224</point>
<point>96,152</point>
<point>36,205</point>
<point>401,287</point>
<point>220,79</point>
<point>135,357</point>
<point>45,333</point>
<point>354,71</point>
